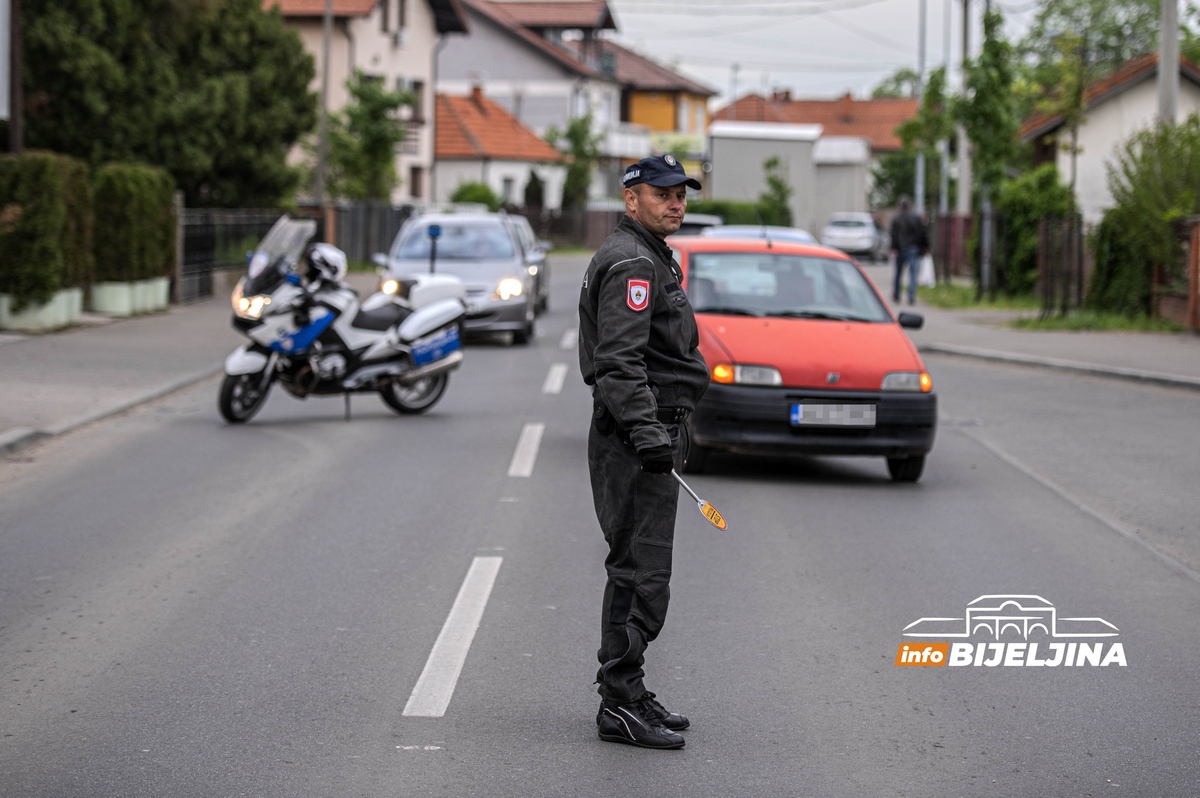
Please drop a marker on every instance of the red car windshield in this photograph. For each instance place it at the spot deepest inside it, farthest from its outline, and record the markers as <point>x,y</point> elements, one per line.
<point>764,284</point>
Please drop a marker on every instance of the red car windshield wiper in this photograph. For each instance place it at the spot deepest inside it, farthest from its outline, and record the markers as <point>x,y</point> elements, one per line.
<point>816,314</point>
<point>729,311</point>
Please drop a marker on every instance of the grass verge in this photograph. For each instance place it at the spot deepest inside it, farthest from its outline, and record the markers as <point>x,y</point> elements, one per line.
<point>1090,320</point>
<point>953,296</point>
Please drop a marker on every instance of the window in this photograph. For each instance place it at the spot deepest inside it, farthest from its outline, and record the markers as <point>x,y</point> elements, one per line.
<point>683,116</point>
<point>758,284</point>
<point>418,91</point>
<point>506,190</point>
<point>459,242</point>
<point>699,108</point>
<point>403,13</point>
<point>415,174</point>
<point>386,16</point>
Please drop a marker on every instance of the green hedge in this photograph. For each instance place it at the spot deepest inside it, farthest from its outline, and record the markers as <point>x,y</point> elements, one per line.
<point>45,225</point>
<point>476,192</point>
<point>1024,202</point>
<point>135,225</point>
<point>735,212</point>
<point>1122,274</point>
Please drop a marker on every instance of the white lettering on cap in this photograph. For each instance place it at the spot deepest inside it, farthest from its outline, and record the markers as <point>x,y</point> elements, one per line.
<point>631,174</point>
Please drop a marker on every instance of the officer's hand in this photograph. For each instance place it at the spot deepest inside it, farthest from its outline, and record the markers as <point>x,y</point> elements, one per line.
<point>657,459</point>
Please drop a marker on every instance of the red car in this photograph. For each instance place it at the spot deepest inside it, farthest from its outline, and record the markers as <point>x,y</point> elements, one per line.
<point>805,357</point>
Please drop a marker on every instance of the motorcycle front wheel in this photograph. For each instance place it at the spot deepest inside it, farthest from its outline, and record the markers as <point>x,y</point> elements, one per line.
<point>416,397</point>
<point>241,397</point>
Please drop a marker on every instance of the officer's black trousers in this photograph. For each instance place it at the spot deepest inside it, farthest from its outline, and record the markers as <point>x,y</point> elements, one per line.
<point>637,514</point>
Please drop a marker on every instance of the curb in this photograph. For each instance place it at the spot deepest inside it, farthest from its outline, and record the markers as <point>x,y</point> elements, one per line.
<point>1071,366</point>
<point>13,440</point>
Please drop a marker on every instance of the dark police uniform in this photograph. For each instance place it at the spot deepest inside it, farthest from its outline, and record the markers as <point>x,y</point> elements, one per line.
<point>638,349</point>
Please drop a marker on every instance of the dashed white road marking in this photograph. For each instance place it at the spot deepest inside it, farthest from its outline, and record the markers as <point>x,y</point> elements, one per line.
<point>568,338</point>
<point>435,688</point>
<point>526,452</point>
<point>554,378</point>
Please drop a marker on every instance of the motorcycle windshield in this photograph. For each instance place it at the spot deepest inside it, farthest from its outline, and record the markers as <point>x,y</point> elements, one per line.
<point>283,244</point>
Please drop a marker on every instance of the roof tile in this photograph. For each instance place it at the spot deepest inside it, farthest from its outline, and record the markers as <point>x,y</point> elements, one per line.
<point>591,14</point>
<point>476,128</point>
<point>875,120</point>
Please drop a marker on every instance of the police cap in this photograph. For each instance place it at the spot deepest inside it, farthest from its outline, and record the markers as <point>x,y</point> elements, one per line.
<point>658,170</point>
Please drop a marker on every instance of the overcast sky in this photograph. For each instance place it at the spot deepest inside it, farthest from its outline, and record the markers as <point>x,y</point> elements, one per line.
<point>816,48</point>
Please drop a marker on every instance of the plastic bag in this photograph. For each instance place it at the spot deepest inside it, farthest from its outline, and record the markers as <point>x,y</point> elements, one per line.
<point>925,273</point>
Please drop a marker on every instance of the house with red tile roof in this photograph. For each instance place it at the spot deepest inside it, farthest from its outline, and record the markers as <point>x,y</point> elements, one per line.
<point>875,120</point>
<point>518,58</point>
<point>479,141</point>
<point>1117,106</point>
<point>393,41</point>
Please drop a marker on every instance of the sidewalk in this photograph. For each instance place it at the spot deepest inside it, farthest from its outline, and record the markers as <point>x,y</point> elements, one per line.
<point>1163,358</point>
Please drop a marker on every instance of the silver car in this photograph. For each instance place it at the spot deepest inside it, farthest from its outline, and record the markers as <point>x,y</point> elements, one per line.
<point>485,251</point>
<point>855,234</point>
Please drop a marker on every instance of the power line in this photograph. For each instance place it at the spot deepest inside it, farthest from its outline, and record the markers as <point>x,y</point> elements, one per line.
<point>869,35</point>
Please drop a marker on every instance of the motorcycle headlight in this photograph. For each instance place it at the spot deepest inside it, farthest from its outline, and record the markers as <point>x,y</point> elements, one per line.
<point>510,287</point>
<point>248,307</point>
<point>390,286</point>
<point>912,381</point>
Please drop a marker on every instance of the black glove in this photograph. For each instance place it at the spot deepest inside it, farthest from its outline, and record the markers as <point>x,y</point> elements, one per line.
<point>657,459</point>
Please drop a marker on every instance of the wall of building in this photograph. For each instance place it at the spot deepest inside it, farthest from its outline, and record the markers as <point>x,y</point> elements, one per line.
<point>738,174</point>
<point>401,62</point>
<point>1107,126</point>
<point>654,109</point>
<point>840,187</point>
<point>452,173</point>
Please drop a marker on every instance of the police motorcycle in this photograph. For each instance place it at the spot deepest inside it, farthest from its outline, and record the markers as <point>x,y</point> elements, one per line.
<point>309,332</point>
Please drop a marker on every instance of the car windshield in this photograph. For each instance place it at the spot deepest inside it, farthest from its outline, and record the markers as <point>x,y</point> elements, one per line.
<point>458,241</point>
<point>764,284</point>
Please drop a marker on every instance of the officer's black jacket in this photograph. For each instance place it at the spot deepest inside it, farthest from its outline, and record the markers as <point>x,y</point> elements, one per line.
<point>639,360</point>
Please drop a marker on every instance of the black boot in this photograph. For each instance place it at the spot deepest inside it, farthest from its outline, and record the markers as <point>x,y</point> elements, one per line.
<point>672,720</point>
<point>636,724</point>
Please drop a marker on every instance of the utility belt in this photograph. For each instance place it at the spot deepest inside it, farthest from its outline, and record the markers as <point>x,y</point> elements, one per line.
<point>606,422</point>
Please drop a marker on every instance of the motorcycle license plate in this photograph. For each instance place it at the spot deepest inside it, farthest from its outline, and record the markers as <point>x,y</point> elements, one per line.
<point>436,346</point>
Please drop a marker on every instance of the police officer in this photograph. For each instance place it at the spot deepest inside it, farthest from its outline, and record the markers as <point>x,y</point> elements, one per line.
<point>638,349</point>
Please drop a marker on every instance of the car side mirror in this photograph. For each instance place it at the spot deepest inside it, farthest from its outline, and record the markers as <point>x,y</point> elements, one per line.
<point>911,321</point>
<point>379,259</point>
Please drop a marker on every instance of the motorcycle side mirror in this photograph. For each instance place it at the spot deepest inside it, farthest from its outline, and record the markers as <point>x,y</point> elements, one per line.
<point>545,246</point>
<point>379,259</point>
<point>911,321</point>
<point>249,256</point>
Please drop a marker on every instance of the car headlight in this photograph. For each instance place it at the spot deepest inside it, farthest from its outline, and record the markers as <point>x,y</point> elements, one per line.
<point>510,287</point>
<point>248,307</point>
<point>728,374</point>
<point>913,381</point>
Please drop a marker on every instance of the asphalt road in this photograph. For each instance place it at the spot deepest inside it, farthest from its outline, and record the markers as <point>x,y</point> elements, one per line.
<point>193,609</point>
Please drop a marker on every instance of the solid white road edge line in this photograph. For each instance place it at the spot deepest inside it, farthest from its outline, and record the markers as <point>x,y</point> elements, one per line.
<point>435,688</point>
<point>1111,523</point>
<point>568,338</point>
<point>554,378</point>
<point>526,452</point>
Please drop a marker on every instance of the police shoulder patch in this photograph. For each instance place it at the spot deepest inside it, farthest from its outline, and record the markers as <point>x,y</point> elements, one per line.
<point>638,296</point>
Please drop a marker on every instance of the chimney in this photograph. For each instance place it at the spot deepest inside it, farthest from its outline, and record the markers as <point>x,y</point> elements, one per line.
<point>477,97</point>
<point>846,108</point>
<point>781,96</point>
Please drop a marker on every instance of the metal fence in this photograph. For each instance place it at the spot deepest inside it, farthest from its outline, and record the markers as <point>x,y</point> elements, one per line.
<point>362,229</point>
<point>1060,264</point>
<point>213,239</point>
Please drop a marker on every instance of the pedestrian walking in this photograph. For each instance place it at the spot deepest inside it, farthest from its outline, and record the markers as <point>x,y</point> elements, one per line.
<point>910,241</point>
<point>638,349</point>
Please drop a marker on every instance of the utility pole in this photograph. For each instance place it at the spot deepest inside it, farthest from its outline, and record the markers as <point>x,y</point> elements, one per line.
<point>963,204</point>
<point>944,187</point>
<point>1168,62</point>
<point>919,200</point>
<point>733,70</point>
<point>16,99</point>
<point>323,120</point>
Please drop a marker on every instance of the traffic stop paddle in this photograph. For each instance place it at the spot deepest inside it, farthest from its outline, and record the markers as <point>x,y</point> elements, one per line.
<point>707,510</point>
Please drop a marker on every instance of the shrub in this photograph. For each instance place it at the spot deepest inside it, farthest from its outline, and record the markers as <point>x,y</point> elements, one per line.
<point>732,211</point>
<point>1024,202</point>
<point>135,229</point>
<point>1123,269</point>
<point>476,192</point>
<point>45,226</point>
